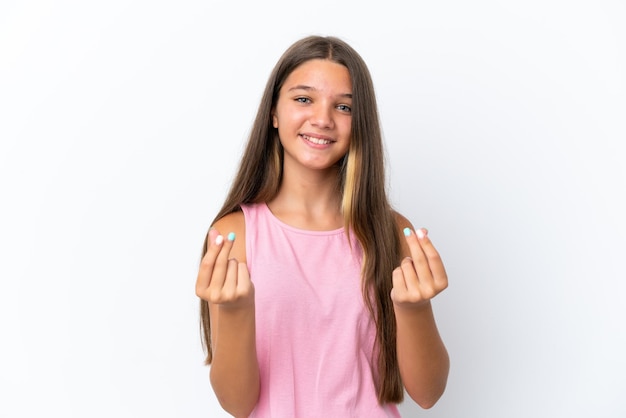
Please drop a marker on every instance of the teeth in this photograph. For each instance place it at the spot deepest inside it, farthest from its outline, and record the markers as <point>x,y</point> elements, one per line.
<point>317,140</point>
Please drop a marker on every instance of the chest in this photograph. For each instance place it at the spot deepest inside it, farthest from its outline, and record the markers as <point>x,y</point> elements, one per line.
<point>314,281</point>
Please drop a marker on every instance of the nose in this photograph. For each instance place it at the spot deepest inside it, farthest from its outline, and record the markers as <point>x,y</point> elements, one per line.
<point>322,116</point>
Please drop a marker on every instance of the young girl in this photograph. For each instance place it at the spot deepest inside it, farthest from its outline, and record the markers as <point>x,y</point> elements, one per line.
<point>315,292</point>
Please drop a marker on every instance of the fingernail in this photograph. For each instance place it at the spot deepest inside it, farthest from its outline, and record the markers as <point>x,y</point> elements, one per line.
<point>407,232</point>
<point>219,239</point>
<point>231,236</point>
<point>420,234</point>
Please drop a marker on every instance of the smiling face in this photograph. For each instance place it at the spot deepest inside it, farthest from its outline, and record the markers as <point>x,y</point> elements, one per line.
<point>313,115</point>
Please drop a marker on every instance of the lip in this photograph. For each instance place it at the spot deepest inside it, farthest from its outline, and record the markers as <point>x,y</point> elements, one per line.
<point>316,141</point>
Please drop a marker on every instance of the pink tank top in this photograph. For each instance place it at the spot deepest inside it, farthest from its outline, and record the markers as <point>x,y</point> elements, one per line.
<point>314,335</point>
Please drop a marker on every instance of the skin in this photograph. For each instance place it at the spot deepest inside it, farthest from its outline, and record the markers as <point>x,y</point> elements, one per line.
<point>224,281</point>
<point>314,102</point>
<point>422,356</point>
<point>313,118</point>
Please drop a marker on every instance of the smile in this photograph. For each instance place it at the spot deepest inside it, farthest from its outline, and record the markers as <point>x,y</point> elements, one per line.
<point>318,141</point>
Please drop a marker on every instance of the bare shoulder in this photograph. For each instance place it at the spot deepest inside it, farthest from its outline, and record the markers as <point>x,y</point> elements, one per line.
<point>401,223</point>
<point>234,222</point>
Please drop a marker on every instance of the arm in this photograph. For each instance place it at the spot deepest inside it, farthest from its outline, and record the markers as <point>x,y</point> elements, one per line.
<point>422,356</point>
<point>224,282</point>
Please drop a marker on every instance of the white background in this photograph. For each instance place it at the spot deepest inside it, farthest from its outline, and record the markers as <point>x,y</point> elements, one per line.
<point>121,123</point>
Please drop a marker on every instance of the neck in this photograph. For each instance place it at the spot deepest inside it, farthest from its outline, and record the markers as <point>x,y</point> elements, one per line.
<point>309,199</point>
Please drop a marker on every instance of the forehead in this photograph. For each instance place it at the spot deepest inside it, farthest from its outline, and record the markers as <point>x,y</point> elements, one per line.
<point>320,74</point>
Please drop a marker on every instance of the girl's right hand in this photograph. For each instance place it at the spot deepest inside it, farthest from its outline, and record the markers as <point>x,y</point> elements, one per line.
<point>223,280</point>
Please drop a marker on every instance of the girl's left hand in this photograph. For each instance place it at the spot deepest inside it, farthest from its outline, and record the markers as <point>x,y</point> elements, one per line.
<point>420,277</point>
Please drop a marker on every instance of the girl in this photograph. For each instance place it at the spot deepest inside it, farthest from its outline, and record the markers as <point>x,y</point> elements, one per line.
<point>315,294</point>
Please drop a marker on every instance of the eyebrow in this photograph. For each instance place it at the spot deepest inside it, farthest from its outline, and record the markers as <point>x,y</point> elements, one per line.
<point>309,88</point>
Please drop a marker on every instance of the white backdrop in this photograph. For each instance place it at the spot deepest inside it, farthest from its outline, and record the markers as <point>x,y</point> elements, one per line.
<point>121,123</point>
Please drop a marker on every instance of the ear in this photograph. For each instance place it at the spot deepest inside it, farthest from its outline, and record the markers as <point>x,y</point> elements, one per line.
<point>274,121</point>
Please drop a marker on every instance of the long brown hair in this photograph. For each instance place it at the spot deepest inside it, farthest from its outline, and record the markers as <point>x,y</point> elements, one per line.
<point>366,209</point>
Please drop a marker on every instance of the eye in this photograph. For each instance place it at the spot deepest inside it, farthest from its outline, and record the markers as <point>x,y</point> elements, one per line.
<point>345,108</point>
<point>303,100</point>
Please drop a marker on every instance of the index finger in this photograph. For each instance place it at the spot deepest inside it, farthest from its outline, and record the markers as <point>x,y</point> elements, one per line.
<point>412,239</point>
<point>213,245</point>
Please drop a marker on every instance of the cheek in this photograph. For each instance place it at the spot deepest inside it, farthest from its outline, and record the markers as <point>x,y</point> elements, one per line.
<point>346,128</point>
<point>283,116</point>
